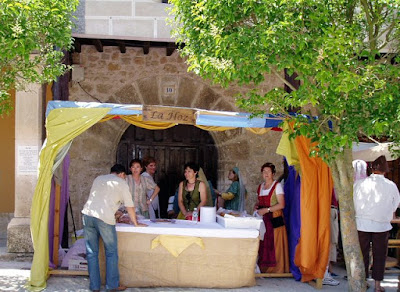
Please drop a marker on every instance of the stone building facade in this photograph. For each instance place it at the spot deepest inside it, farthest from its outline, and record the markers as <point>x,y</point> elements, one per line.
<point>129,75</point>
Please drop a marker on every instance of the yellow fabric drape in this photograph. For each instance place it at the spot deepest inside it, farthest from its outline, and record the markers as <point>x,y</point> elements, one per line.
<point>214,128</point>
<point>287,148</point>
<point>259,131</point>
<point>312,251</point>
<point>62,125</point>
<point>138,121</point>
<point>176,244</point>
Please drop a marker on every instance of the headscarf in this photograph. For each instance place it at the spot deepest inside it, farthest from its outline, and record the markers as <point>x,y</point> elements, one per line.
<point>360,169</point>
<point>202,177</point>
<point>242,190</point>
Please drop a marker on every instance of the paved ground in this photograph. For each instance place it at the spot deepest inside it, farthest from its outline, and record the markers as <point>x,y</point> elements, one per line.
<point>14,273</point>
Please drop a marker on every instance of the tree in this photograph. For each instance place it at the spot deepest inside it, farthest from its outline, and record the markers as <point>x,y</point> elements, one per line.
<point>345,55</point>
<point>33,34</point>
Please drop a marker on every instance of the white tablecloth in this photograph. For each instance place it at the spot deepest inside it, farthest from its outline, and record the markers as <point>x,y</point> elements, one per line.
<point>189,228</point>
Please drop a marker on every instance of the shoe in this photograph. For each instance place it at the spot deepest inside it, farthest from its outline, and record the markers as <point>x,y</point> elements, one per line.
<point>330,281</point>
<point>334,275</point>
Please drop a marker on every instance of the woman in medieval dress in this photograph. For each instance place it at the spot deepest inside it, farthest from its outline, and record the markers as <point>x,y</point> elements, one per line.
<point>153,190</point>
<point>192,192</point>
<point>273,255</point>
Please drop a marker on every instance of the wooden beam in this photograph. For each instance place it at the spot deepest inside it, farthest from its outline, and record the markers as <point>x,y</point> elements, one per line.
<point>77,46</point>
<point>122,46</point>
<point>170,48</point>
<point>274,275</point>
<point>99,46</point>
<point>146,47</point>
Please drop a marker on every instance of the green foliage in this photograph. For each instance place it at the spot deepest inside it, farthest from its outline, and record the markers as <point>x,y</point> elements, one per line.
<point>343,51</point>
<point>30,32</point>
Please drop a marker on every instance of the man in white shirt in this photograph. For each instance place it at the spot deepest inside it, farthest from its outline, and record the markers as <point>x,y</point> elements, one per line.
<point>108,192</point>
<point>375,200</point>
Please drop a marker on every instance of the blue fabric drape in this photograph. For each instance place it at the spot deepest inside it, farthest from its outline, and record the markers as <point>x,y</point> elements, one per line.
<point>292,216</point>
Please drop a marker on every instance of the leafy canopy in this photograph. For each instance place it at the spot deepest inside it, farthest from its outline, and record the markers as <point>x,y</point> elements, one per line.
<point>32,35</point>
<point>343,51</point>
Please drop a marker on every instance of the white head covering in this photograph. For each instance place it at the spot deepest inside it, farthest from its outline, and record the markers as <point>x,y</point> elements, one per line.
<point>360,169</point>
<point>202,177</point>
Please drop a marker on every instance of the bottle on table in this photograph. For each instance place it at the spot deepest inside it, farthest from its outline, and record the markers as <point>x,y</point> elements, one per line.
<point>195,215</point>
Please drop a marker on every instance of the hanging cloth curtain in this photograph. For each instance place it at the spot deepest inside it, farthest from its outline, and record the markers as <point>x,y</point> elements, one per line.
<point>312,252</point>
<point>63,125</point>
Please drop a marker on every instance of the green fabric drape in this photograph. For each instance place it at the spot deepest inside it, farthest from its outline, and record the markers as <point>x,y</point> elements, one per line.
<point>63,125</point>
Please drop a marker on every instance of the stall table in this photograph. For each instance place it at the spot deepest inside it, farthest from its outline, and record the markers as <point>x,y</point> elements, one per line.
<point>220,258</point>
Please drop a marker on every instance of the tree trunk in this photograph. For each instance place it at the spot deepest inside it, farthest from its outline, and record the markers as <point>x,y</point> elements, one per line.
<point>342,172</point>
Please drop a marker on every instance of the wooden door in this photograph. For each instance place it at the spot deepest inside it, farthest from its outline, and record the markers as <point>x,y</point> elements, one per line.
<point>171,148</point>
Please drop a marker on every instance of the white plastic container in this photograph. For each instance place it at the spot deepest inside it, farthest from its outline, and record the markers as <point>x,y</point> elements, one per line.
<point>239,222</point>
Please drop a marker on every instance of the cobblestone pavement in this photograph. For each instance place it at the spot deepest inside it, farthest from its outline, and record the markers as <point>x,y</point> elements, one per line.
<point>14,273</point>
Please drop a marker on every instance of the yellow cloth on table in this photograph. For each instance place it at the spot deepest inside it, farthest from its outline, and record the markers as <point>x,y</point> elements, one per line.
<point>176,244</point>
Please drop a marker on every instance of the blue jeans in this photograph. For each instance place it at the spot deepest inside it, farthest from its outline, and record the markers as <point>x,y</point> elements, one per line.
<point>94,229</point>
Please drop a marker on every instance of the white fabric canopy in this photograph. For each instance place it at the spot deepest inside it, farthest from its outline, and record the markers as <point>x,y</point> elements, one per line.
<point>371,151</point>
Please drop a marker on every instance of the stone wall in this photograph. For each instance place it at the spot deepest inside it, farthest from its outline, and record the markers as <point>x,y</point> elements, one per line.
<point>135,78</point>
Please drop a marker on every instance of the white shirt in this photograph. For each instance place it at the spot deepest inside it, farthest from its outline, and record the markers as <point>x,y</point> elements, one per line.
<point>278,189</point>
<point>375,200</point>
<point>108,192</point>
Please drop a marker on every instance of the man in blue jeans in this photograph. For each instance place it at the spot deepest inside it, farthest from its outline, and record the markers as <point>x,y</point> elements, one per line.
<point>108,192</point>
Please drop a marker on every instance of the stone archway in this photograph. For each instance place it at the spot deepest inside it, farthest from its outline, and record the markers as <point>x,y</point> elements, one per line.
<point>154,79</point>
<point>171,148</point>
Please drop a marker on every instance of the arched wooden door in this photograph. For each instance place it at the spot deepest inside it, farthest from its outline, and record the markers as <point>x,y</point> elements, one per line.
<point>172,148</point>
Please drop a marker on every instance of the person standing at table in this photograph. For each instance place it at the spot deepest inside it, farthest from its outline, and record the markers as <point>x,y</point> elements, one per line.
<point>108,192</point>
<point>192,192</point>
<point>375,200</point>
<point>153,190</point>
<point>273,253</point>
<point>138,186</point>
<point>234,197</point>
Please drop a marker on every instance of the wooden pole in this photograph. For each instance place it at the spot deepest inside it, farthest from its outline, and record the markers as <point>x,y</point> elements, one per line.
<point>56,237</point>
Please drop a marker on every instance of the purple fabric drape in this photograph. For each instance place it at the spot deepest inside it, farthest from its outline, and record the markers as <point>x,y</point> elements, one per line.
<point>291,213</point>
<point>63,207</point>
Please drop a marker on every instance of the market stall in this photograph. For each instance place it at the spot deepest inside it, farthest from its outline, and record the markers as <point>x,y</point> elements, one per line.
<point>65,120</point>
<point>186,254</point>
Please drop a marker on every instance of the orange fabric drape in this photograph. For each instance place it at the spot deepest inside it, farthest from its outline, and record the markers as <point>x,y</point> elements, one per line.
<point>312,251</point>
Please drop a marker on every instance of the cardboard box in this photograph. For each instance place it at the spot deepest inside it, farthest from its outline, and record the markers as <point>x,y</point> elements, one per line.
<point>77,265</point>
<point>239,222</point>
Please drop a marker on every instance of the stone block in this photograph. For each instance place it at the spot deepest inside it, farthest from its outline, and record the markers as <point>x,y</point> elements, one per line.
<point>108,8</point>
<point>147,9</point>
<point>19,235</point>
<point>97,26</point>
<point>169,89</point>
<point>224,105</point>
<point>187,91</point>
<point>149,90</point>
<point>206,98</point>
<point>127,94</point>
<point>133,27</point>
